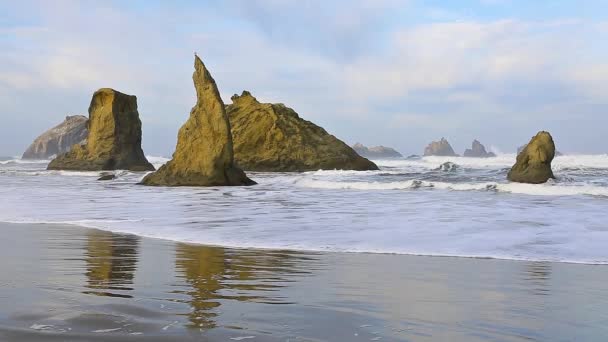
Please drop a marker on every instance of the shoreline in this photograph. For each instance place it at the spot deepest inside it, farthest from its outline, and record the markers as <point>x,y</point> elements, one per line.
<point>91,284</point>
<point>117,231</point>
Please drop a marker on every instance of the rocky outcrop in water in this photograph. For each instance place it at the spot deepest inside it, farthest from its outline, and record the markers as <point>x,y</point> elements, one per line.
<point>59,139</point>
<point>440,148</point>
<point>204,153</point>
<point>114,140</point>
<point>534,161</point>
<point>448,167</point>
<point>376,152</point>
<point>273,137</point>
<point>477,150</point>
<point>521,148</point>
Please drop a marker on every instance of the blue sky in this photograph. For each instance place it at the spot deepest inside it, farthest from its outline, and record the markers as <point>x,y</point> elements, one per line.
<point>397,73</point>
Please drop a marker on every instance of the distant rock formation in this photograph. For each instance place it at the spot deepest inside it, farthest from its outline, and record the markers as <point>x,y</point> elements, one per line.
<point>204,152</point>
<point>440,148</point>
<point>413,157</point>
<point>114,140</point>
<point>534,161</point>
<point>272,137</point>
<point>477,150</point>
<point>376,152</point>
<point>59,139</point>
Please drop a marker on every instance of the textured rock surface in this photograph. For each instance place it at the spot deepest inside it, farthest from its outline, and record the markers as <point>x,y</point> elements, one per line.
<point>59,139</point>
<point>521,148</point>
<point>440,148</point>
<point>377,152</point>
<point>114,140</point>
<point>272,137</point>
<point>204,152</point>
<point>477,150</point>
<point>534,161</point>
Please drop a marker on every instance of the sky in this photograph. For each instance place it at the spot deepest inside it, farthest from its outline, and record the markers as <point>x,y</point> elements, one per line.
<point>398,73</point>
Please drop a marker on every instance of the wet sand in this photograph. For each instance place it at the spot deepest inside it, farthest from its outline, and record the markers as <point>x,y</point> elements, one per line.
<point>67,283</point>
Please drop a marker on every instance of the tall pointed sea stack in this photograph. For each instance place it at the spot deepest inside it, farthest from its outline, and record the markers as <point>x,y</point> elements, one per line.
<point>114,140</point>
<point>203,156</point>
<point>534,161</point>
<point>272,137</point>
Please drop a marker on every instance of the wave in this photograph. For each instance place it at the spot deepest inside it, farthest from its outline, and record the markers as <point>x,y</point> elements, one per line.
<point>549,189</point>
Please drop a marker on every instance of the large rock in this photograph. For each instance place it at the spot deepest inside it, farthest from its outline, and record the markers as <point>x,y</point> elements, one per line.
<point>272,137</point>
<point>376,152</point>
<point>440,148</point>
<point>114,140</point>
<point>534,161</point>
<point>59,139</point>
<point>204,152</point>
<point>477,150</point>
<point>521,148</point>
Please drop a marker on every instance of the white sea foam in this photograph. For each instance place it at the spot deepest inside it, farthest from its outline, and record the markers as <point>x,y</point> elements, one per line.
<point>406,208</point>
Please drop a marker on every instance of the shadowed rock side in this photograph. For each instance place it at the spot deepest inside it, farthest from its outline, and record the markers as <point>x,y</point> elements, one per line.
<point>477,150</point>
<point>204,155</point>
<point>534,161</point>
<point>272,137</point>
<point>377,152</point>
<point>59,139</point>
<point>114,141</point>
<point>440,148</point>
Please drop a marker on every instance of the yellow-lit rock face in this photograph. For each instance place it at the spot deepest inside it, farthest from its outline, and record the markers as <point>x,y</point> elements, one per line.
<point>272,137</point>
<point>534,161</point>
<point>114,139</point>
<point>204,152</point>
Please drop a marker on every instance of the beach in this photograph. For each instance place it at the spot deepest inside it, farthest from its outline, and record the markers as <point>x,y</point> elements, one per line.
<point>71,283</point>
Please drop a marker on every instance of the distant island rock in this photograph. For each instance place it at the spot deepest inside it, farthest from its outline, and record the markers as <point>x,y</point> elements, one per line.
<point>204,153</point>
<point>59,139</point>
<point>376,152</point>
<point>533,163</point>
<point>114,140</point>
<point>440,148</point>
<point>272,137</point>
<point>477,150</point>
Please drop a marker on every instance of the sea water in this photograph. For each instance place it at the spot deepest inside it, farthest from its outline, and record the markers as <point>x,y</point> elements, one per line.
<point>408,207</point>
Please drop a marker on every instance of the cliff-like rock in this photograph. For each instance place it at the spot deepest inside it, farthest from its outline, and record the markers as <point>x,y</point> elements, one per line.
<point>440,148</point>
<point>204,152</point>
<point>272,137</point>
<point>59,139</point>
<point>114,140</point>
<point>376,152</point>
<point>534,161</point>
<point>477,150</point>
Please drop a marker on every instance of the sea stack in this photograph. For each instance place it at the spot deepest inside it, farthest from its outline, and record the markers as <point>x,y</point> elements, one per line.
<point>534,161</point>
<point>272,137</point>
<point>204,152</point>
<point>59,139</point>
<point>376,152</point>
<point>114,139</point>
<point>440,148</point>
<point>477,150</point>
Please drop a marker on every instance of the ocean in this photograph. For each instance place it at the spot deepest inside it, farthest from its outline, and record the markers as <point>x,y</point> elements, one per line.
<point>414,207</point>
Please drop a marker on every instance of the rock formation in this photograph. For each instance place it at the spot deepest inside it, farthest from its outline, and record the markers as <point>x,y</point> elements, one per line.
<point>114,140</point>
<point>521,148</point>
<point>448,167</point>
<point>477,150</point>
<point>204,152</point>
<point>272,137</point>
<point>440,148</point>
<point>534,161</point>
<point>377,152</point>
<point>59,139</point>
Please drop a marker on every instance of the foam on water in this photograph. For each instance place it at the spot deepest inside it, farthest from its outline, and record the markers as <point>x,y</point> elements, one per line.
<point>408,207</point>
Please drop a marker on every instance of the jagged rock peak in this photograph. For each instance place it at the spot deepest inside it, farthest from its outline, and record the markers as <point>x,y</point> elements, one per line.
<point>204,153</point>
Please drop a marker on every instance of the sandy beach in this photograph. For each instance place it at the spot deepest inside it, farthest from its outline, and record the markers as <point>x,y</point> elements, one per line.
<point>69,283</point>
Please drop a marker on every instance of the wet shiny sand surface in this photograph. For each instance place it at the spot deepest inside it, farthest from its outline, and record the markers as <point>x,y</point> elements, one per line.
<point>67,283</point>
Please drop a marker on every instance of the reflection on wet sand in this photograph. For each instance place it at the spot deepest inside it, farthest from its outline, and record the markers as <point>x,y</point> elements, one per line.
<point>214,274</point>
<point>111,263</point>
<point>539,275</point>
